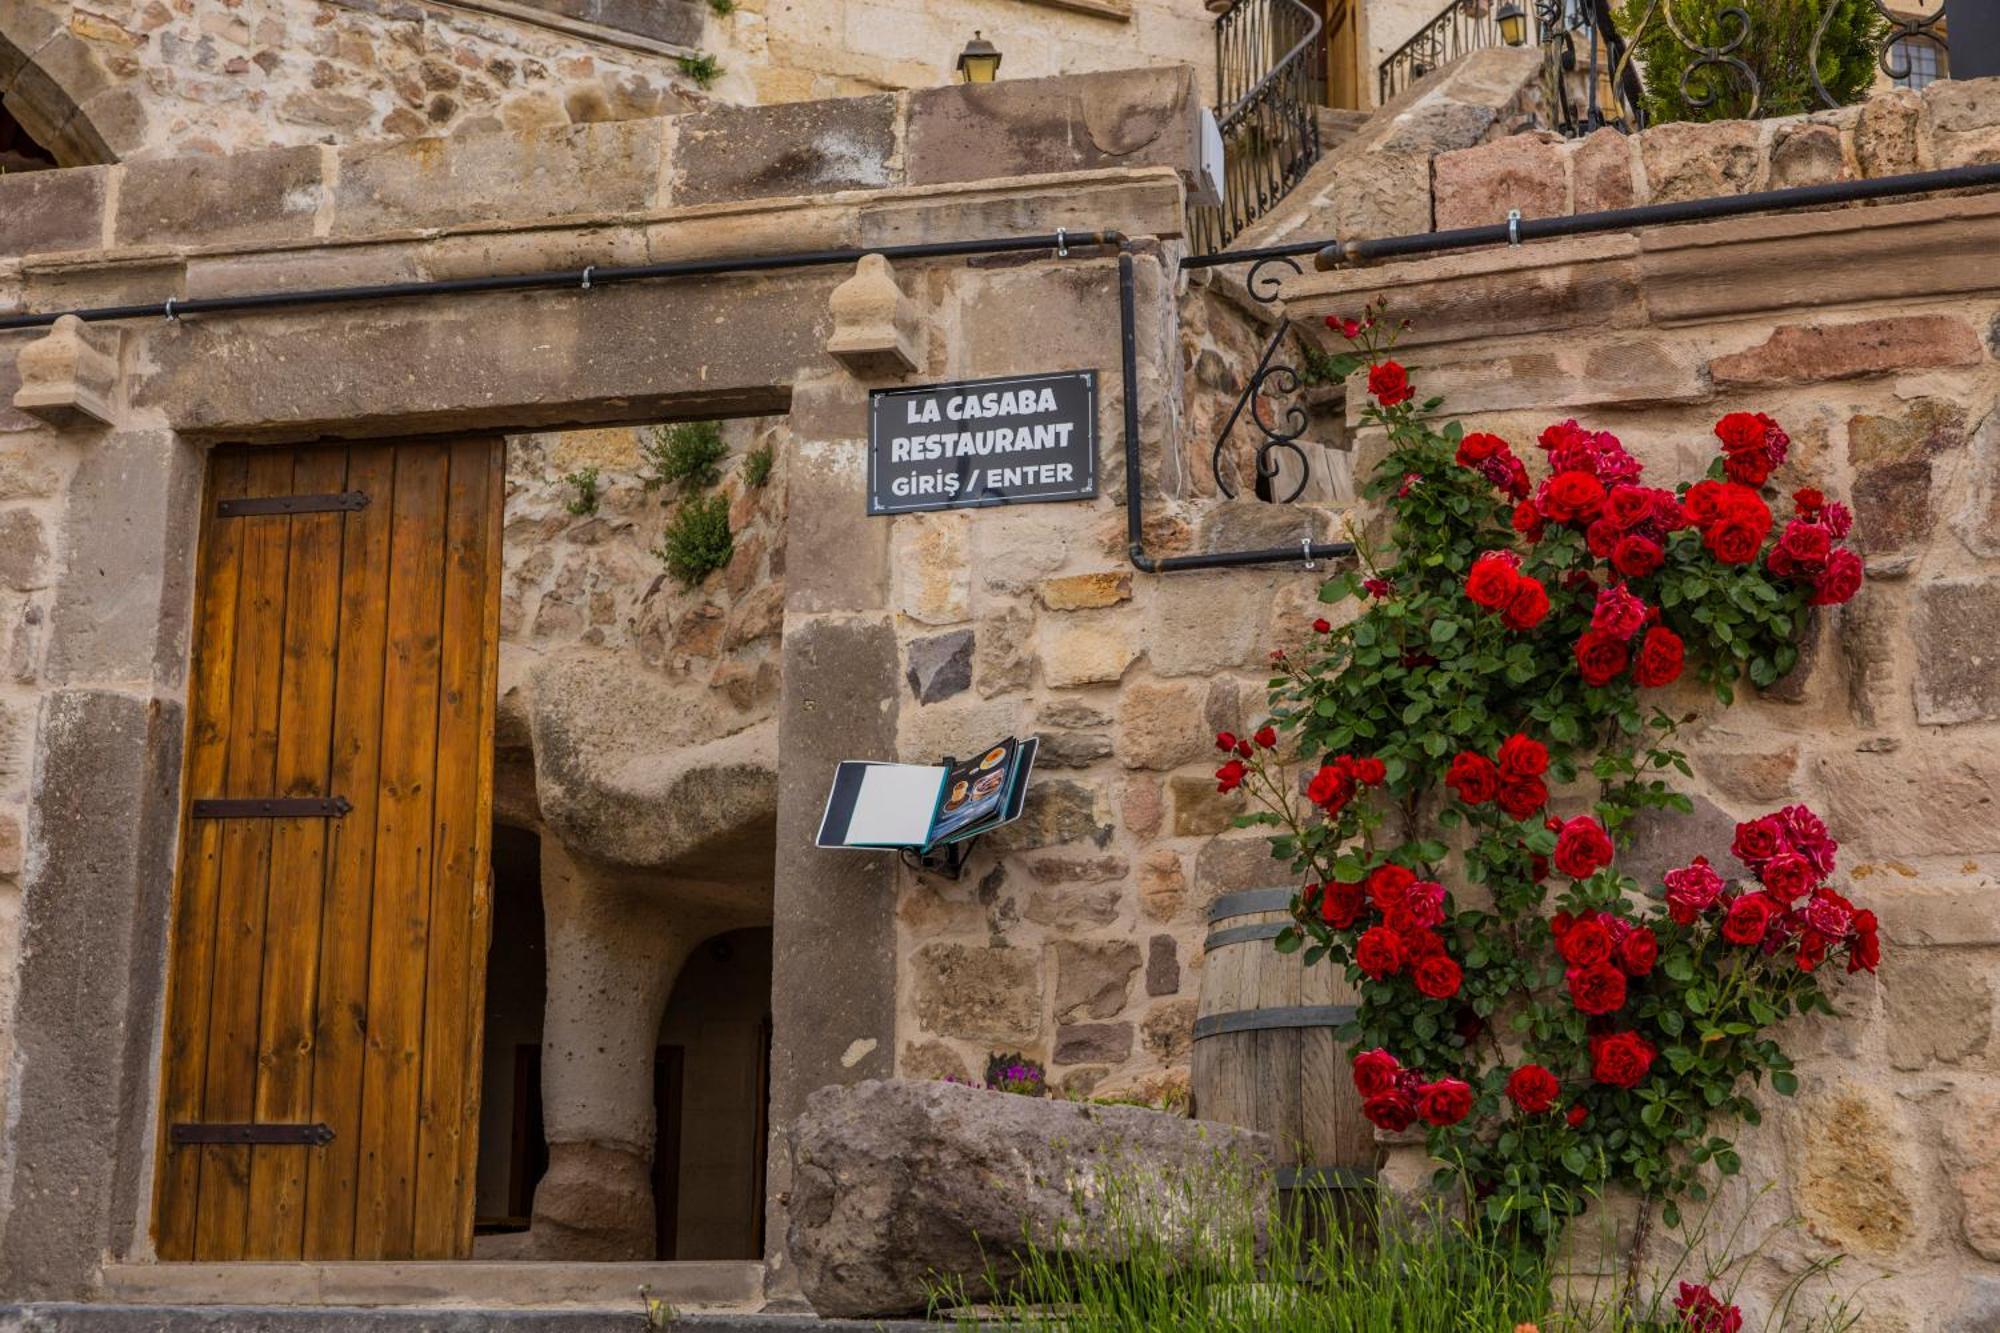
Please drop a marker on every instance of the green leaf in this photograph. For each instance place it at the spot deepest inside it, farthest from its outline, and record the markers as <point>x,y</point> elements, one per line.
<point>1785,1083</point>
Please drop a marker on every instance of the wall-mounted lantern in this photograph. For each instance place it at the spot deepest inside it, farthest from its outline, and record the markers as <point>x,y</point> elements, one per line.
<point>1513,24</point>
<point>979,62</point>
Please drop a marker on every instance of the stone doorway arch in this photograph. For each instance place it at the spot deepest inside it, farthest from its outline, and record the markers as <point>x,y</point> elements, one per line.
<point>54,85</point>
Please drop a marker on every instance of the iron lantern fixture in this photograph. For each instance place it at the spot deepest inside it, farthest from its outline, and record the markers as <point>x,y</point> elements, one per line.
<point>1513,24</point>
<point>979,62</point>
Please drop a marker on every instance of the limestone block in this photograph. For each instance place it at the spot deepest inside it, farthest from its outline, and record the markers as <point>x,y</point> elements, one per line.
<point>931,1060</point>
<point>1601,171</point>
<point>1003,655</point>
<point>1852,1187</point>
<point>1072,749</point>
<point>933,572</point>
<point>269,194</point>
<point>1142,805</point>
<point>800,148</point>
<point>1924,429</point>
<point>876,331</point>
<point>895,1184</point>
<point>1977,521</point>
<point>1808,353</point>
<point>1163,888</point>
<point>1964,121</point>
<point>24,550</point>
<point>1087,654</point>
<point>1756,777</point>
<point>1093,1043</point>
<point>1161,724</point>
<point>52,210</point>
<point>1807,154</point>
<point>1168,1030</point>
<point>1022,127</point>
<point>1058,812</point>
<point>1940,1007</point>
<point>1975,1165</point>
<point>1205,623</point>
<point>1663,840</point>
<point>1684,160</point>
<point>69,377</point>
<point>979,993</point>
<point>1074,907</point>
<point>1078,592</point>
<point>1885,140</point>
<point>1957,630</point>
<point>1078,869</point>
<point>1093,979</point>
<point>1199,809</point>
<point>1934,799</point>
<point>1229,865</point>
<point>1474,187</point>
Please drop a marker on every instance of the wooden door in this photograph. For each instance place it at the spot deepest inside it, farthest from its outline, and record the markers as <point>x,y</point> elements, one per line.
<point>320,1070</point>
<point>1341,36</point>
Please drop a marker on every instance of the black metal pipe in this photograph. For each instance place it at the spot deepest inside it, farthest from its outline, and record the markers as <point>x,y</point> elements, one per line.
<point>1338,254</point>
<point>558,279</point>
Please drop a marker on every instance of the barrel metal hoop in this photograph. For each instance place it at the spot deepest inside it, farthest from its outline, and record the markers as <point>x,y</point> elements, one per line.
<point>1326,1177</point>
<point>1248,901</point>
<point>1270,930</point>
<point>1258,1020</point>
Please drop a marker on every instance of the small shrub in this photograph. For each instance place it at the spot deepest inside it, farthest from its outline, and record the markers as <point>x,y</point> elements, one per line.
<point>697,541</point>
<point>687,457</point>
<point>584,482</point>
<point>757,465</point>
<point>722,8</point>
<point>702,67</point>
<point>1777,50</point>
<point>1016,1073</point>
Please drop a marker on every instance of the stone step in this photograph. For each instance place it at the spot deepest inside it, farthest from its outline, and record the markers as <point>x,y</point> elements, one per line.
<point>82,1317</point>
<point>425,1284</point>
<point>1337,125</point>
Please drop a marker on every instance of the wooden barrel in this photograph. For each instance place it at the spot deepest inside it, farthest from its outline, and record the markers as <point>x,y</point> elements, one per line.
<point>1265,1056</point>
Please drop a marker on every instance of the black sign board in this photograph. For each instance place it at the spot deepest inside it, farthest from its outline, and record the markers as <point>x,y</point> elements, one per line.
<point>1014,440</point>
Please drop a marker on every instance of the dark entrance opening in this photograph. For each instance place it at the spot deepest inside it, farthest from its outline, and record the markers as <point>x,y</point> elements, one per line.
<point>18,149</point>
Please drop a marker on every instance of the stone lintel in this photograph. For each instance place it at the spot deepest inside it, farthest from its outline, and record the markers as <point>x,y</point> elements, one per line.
<point>69,378</point>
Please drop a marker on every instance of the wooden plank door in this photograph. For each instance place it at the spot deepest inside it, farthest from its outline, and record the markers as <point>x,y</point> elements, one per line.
<point>320,1069</point>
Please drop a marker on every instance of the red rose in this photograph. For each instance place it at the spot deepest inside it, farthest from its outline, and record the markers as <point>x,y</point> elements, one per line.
<point>1533,1089</point>
<point>1620,1059</point>
<point>1267,737</point>
<point>1750,469</point>
<point>1478,447</point>
<point>1520,798</point>
<point>1527,520</point>
<point>1638,952</point>
<point>1758,841</point>
<point>1230,776</point>
<point>1802,548</point>
<point>1322,626</point>
<point>1661,657</point>
<point>1748,918</point>
<point>1445,1102</point>
<point>1739,431</point>
<point>1808,500</point>
<point>1340,904</point>
<point>1582,847</point>
<point>1421,944</point>
<point>1839,581</point>
<point>1523,756</point>
<point>1692,890</point>
<point>1390,384</point>
<point>1393,1110</point>
<point>1570,496</point>
<point>1437,977</point>
<point>1472,778</point>
<point>1331,788</point>
<point>1379,952</point>
<point>1375,1072</point>
<point>1636,557</point>
<point>1601,657</point>
<point>1602,538</point>
<point>1576,1115</point>
<point>1369,772</point>
<point>1528,604</point>
<point>1787,876</point>
<point>1225,741</point>
<point>1864,944</point>
<point>1490,583</point>
<point>1702,1312</point>
<point>1733,541</point>
<point>1389,885</point>
<point>1582,943</point>
<point>1598,989</point>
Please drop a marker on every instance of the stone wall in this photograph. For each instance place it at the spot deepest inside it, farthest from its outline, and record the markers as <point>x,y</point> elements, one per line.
<point>1868,333</point>
<point>125,79</point>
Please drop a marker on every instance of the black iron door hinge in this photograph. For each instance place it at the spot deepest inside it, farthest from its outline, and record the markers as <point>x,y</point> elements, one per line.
<point>193,1132</point>
<point>272,807</point>
<point>338,501</point>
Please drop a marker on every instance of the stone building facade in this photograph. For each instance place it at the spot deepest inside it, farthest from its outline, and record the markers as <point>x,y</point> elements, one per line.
<point>661,752</point>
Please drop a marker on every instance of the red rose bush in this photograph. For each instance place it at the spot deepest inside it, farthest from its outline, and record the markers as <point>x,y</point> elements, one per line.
<point>1553,1025</point>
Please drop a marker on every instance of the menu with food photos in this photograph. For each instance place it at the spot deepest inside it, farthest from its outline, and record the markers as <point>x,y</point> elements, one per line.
<point>918,807</point>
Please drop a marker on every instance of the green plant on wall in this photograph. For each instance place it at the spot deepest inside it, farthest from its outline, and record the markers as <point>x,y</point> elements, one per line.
<point>702,67</point>
<point>697,540</point>
<point>757,466</point>
<point>583,482</point>
<point>722,8</point>
<point>686,457</point>
<point>1766,71</point>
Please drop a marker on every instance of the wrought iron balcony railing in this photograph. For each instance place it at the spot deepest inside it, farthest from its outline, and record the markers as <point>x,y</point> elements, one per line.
<point>1270,84</point>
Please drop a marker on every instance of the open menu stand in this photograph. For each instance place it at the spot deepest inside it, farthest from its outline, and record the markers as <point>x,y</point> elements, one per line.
<point>929,814</point>
<point>947,860</point>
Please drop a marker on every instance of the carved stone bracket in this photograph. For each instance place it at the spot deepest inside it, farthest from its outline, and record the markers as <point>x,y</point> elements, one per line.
<point>69,378</point>
<point>876,331</point>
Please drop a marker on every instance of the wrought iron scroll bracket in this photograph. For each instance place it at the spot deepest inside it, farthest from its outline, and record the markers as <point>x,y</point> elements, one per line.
<point>1271,375</point>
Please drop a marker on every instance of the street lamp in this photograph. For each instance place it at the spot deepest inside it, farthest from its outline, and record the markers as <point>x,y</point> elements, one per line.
<point>979,62</point>
<point>1513,24</point>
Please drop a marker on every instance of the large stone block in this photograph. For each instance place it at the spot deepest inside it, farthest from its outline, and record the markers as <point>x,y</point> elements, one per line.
<point>677,22</point>
<point>1685,160</point>
<point>1957,631</point>
<point>1933,799</point>
<point>1975,1166</point>
<point>1807,154</point>
<point>1205,623</point>
<point>1161,724</point>
<point>1940,1007</point>
<point>1025,127</point>
<point>1058,812</point>
<point>1892,507</point>
<point>1601,168</point>
<point>52,210</point>
<point>1093,979</point>
<point>899,1185</point>
<point>1853,1187</point>
<point>985,994</point>
<point>611,167</point>
<point>799,148</point>
<point>1475,187</point>
<point>1086,654</point>
<point>268,194</point>
<point>1964,116</point>
<point>1885,139</point>
<point>1810,353</point>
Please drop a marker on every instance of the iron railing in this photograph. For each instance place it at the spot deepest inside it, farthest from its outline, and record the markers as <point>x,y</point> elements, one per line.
<point>1588,78</point>
<point>1270,84</point>
<point>1464,26</point>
